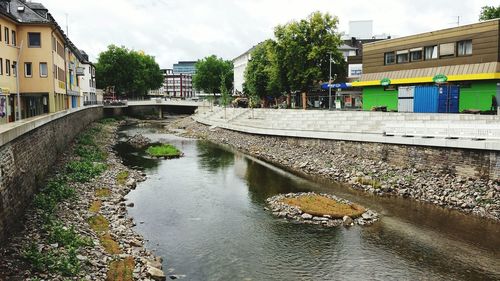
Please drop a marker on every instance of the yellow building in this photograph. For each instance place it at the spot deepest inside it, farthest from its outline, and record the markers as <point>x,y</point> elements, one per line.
<point>8,57</point>
<point>48,60</point>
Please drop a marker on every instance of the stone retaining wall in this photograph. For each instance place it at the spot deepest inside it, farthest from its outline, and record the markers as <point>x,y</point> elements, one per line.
<point>28,156</point>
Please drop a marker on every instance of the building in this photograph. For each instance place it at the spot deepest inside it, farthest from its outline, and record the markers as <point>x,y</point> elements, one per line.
<point>87,81</point>
<point>47,61</point>
<point>178,85</point>
<point>185,67</point>
<point>466,58</point>
<point>239,66</point>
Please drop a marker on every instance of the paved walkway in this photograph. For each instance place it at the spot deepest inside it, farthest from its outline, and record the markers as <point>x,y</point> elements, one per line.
<point>426,129</point>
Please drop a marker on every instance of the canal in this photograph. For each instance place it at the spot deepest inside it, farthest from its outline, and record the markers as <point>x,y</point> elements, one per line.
<point>204,214</point>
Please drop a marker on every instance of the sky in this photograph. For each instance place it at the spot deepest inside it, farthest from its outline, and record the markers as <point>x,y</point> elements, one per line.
<point>175,30</point>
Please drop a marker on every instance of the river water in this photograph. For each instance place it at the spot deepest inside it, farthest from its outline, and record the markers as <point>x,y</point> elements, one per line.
<point>204,214</point>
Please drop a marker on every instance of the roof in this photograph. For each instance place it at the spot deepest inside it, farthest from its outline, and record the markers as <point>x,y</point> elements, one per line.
<point>346,47</point>
<point>28,15</point>
<point>36,6</point>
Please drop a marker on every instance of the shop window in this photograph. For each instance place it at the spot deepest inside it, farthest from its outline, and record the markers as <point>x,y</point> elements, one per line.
<point>402,56</point>
<point>464,47</point>
<point>431,52</point>
<point>416,54</point>
<point>447,50</point>
<point>389,58</point>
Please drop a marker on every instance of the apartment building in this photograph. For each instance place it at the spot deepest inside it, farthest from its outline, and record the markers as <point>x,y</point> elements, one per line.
<point>178,85</point>
<point>87,81</point>
<point>47,65</point>
<point>465,59</point>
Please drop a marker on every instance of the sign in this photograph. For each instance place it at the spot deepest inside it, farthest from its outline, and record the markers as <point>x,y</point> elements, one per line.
<point>385,82</point>
<point>325,86</point>
<point>440,78</point>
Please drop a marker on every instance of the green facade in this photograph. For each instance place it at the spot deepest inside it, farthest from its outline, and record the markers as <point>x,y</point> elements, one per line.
<point>376,96</point>
<point>478,96</point>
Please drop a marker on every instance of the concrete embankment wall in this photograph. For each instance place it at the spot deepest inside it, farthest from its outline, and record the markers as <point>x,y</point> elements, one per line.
<point>361,135</point>
<point>28,151</point>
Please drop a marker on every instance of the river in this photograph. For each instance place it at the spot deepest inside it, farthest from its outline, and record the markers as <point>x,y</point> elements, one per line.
<point>204,214</point>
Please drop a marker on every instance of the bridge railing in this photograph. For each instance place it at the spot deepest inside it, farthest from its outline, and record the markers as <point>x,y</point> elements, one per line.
<point>115,102</point>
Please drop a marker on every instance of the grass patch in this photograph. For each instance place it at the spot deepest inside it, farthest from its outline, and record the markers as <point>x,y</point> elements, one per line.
<point>106,121</point>
<point>366,181</point>
<point>52,260</point>
<point>122,177</point>
<point>319,205</point>
<point>121,270</point>
<point>95,206</point>
<point>65,236</point>
<point>98,223</point>
<point>102,192</point>
<point>84,171</point>
<point>109,244</point>
<point>163,150</point>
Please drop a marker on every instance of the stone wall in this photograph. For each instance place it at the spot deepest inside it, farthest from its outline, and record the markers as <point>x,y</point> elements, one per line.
<point>468,163</point>
<point>28,157</point>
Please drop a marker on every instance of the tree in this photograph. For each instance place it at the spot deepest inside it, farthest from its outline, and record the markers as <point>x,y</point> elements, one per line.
<point>209,72</point>
<point>303,48</point>
<point>131,73</point>
<point>262,77</point>
<point>489,13</point>
<point>225,94</point>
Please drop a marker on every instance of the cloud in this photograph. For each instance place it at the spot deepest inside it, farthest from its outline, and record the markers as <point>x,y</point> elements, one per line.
<point>173,30</point>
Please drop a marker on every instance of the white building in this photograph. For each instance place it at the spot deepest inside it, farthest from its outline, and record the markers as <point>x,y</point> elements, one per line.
<point>87,81</point>
<point>239,66</point>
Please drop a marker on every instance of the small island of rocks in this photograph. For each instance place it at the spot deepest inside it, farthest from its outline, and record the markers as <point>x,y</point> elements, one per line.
<point>319,209</point>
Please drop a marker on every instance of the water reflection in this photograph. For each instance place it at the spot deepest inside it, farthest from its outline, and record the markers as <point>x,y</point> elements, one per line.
<point>208,162</point>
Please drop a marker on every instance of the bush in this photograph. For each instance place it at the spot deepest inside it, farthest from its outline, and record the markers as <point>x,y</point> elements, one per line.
<point>84,171</point>
<point>67,236</point>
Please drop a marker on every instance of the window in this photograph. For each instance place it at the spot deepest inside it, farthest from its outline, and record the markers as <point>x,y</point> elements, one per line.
<point>402,56</point>
<point>28,71</point>
<point>34,40</point>
<point>416,54</point>
<point>7,67</point>
<point>6,34</point>
<point>1,66</point>
<point>389,58</point>
<point>464,47</point>
<point>447,50</point>
<point>54,44</point>
<point>14,39</point>
<point>44,72</point>
<point>14,68</point>
<point>431,52</point>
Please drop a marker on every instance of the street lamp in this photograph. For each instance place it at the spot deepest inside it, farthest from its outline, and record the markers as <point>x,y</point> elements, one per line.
<point>20,48</point>
<point>330,82</point>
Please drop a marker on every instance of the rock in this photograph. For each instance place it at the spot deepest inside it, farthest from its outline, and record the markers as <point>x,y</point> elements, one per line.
<point>347,221</point>
<point>306,216</point>
<point>130,205</point>
<point>155,273</point>
<point>154,263</point>
<point>319,219</point>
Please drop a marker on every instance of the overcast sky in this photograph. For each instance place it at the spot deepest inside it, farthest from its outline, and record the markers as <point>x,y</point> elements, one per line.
<point>173,30</point>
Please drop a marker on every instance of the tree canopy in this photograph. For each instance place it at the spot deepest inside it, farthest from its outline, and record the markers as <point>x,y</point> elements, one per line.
<point>209,74</point>
<point>303,49</point>
<point>489,13</point>
<point>132,73</point>
<point>262,72</point>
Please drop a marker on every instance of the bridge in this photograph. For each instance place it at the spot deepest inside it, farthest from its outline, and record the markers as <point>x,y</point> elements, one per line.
<point>158,105</point>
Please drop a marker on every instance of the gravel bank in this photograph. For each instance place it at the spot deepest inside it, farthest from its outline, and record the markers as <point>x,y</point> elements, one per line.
<point>95,260</point>
<point>473,196</point>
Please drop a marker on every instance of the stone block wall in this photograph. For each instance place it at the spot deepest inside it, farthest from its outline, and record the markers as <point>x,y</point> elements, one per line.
<point>27,159</point>
<point>470,163</point>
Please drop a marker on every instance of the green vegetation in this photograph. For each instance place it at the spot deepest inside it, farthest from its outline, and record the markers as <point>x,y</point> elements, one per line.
<point>320,205</point>
<point>489,13</point>
<point>132,73</point>
<point>164,150</point>
<point>121,270</point>
<point>63,259</point>
<point>95,206</point>
<point>211,73</point>
<point>122,177</point>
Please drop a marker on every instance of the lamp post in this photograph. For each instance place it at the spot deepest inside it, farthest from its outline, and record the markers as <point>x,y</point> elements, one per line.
<point>20,48</point>
<point>330,82</point>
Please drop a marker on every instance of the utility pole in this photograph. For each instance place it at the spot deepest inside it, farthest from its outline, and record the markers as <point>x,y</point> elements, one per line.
<point>330,85</point>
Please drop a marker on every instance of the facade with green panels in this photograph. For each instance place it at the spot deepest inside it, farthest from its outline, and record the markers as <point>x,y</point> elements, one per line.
<point>378,96</point>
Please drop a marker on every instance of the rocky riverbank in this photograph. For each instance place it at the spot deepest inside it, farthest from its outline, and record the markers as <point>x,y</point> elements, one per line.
<point>97,214</point>
<point>473,196</point>
<point>295,214</point>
